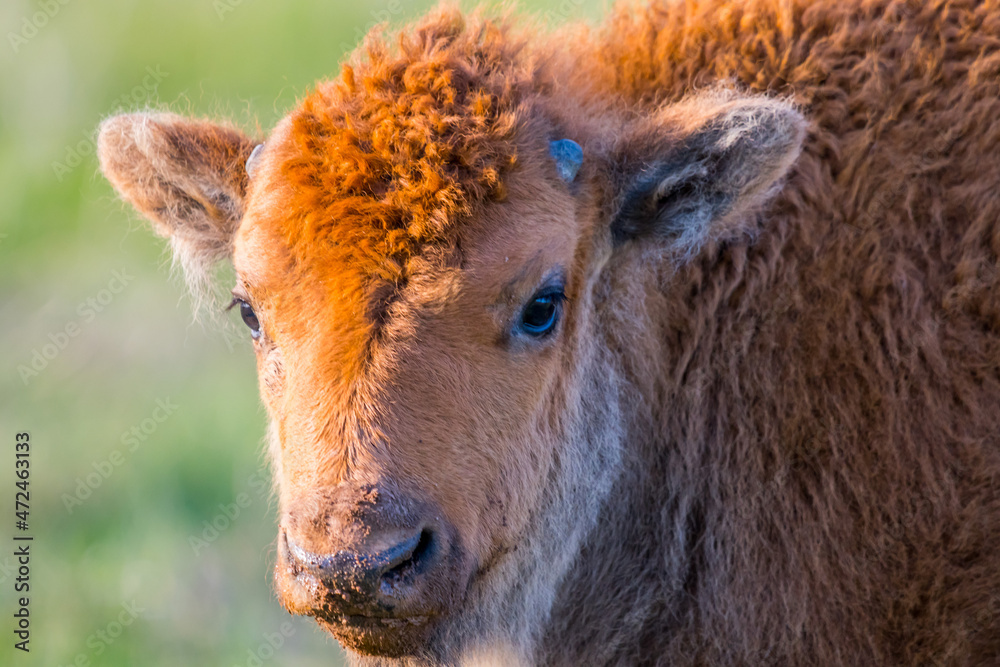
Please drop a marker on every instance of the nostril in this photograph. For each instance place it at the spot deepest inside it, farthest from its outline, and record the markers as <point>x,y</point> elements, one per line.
<point>395,556</point>
<point>403,569</point>
<point>424,547</point>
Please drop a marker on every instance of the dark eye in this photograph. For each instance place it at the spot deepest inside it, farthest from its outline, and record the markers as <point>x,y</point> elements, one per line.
<point>541,315</point>
<point>249,317</point>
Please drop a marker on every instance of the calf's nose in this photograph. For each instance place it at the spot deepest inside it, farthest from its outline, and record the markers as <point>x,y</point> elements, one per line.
<point>366,583</point>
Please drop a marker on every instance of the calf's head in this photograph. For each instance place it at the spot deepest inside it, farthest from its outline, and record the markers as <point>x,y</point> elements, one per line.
<point>426,249</point>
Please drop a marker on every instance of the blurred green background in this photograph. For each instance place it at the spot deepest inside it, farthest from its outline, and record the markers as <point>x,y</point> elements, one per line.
<point>121,491</point>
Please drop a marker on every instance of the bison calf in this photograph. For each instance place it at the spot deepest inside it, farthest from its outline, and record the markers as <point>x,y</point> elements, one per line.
<point>671,341</point>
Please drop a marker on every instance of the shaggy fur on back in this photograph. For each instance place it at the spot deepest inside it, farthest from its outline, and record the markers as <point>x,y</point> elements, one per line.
<point>816,473</point>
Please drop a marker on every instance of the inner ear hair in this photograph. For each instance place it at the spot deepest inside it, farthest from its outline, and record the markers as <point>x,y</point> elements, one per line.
<point>720,156</point>
<point>666,200</point>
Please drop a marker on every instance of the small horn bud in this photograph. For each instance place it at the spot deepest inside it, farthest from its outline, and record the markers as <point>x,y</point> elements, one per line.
<point>568,156</point>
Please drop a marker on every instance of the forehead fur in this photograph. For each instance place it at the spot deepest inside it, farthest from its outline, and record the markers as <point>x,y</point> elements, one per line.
<point>386,161</point>
<point>364,189</point>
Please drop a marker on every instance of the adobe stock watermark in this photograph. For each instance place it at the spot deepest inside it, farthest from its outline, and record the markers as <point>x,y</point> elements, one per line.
<point>391,8</point>
<point>131,439</point>
<point>266,650</point>
<point>101,639</point>
<point>884,199</point>
<point>140,94</point>
<point>31,25</point>
<point>7,568</point>
<point>900,13</point>
<point>223,7</point>
<point>212,529</point>
<point>565,10</point>
<point>87,311</point>
<point>232,339</point>
<point>932,159</point>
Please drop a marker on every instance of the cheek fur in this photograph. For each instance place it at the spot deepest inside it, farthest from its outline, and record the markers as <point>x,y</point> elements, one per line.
<point>271,374</point>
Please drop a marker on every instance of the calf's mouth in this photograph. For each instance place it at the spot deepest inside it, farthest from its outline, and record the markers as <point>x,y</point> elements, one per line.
<point>386,601</point>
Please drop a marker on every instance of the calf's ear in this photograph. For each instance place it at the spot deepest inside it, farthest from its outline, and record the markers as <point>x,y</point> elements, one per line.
<point>703,164</point>
<point>188,177</point>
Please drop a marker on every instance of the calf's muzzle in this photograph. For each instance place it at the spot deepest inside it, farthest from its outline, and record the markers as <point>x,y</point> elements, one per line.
<point>381,577</point>
<point>367,583</point>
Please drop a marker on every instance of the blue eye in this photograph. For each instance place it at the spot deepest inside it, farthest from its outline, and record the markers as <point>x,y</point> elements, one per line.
<point>541,315</point>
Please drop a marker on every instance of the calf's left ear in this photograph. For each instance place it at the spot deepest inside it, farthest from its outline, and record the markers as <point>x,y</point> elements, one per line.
<point>704,164</point>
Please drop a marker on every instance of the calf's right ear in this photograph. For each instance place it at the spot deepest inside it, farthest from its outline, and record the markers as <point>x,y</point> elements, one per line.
<point>702,165</point>
<point>188,177</point>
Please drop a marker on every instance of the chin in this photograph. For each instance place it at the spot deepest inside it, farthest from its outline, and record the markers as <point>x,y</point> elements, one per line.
<point>384,637</point>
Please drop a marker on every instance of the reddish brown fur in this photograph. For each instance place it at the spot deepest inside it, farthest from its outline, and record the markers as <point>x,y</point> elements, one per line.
<point>835,385</point>
<point>376,170</point>
<point>777,452</point>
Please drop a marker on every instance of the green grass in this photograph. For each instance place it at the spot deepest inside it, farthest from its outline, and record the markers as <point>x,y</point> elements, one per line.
<point>62,234</point>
